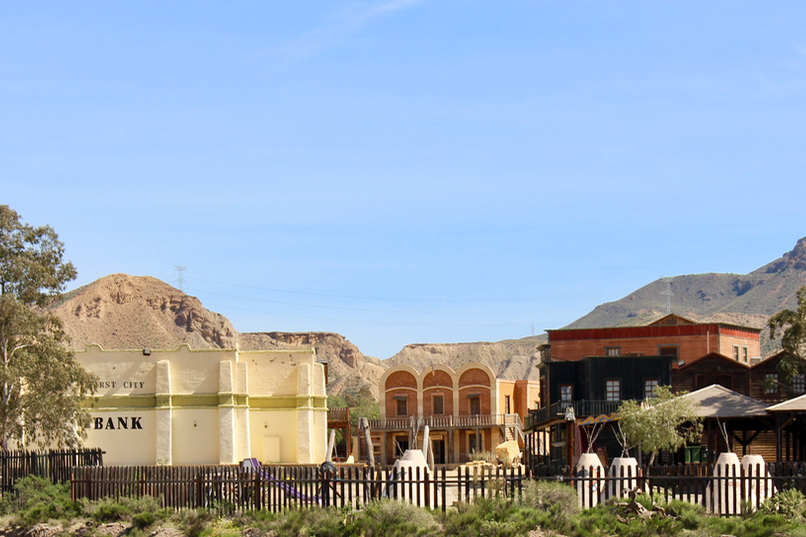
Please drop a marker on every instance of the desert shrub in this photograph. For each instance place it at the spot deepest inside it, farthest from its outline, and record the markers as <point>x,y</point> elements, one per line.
<point>257,519</point>
<point>690,515</point>
<point>554,503</point>
<point>193,523</point>
<point>542,494</point>
<point>144,519</point>
<point>319,522</point>
<point>761,525</point>
<point>107,510</point>
<point>389,518</point>
<point>36,500</point>
<point>616,518</point>
<point>493,517</point>
<point>791,503</point>
<point>222,527</point>
<point>125,508</point>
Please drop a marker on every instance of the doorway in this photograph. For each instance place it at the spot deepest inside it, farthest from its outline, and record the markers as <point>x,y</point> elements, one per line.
<point>439,451</point>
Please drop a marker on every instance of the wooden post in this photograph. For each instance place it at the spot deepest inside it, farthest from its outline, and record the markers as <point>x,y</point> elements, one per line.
<point>569,444</point>
<point>778,451</point>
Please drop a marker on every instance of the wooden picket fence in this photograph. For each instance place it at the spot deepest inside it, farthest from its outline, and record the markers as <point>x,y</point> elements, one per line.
<point>280,487</point>
<point>55,465</point>
<point>720,489</point>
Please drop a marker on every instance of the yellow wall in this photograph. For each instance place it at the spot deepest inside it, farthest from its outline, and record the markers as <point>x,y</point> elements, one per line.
<point>207,407</point>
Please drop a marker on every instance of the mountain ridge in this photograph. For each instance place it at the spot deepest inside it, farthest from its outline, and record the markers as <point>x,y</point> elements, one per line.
<point>131,312</point>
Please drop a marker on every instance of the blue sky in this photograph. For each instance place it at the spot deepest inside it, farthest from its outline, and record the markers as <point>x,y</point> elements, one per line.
<point>404,171</point>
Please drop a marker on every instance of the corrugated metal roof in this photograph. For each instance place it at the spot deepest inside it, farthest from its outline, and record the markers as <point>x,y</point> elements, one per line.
<point>798,404</point>
<point>719,402</point>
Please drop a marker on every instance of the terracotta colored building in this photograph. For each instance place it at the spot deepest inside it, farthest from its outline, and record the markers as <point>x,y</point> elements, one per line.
<point>669,336</point>
<point>468,411</point>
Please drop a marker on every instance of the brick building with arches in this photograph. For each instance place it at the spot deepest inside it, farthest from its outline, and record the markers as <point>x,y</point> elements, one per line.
<point>468,410</point>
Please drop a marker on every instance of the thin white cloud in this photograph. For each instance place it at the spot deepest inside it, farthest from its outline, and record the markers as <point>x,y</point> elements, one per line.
<point>345,24</point>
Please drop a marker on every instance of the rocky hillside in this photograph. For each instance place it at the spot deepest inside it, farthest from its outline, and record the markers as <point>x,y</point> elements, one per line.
<point>137,312</point>
<point>511,359</point>
<point>747,299</point>
<point>131,312</point>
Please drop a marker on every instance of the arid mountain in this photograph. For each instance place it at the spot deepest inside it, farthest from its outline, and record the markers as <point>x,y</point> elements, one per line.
<point>511,359</point>
<point>747,299</point>
<point>131,312</point>
<point>138,312</point>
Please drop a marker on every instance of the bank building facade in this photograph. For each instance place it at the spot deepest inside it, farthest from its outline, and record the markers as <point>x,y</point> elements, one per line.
<point>185,406</point>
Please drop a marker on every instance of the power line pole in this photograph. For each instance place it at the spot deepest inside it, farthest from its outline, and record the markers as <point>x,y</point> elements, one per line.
<point>180,279</point>
<point>668,294</point>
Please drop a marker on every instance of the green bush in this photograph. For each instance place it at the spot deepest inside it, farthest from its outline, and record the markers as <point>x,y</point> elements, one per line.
<point>222,527</point>
<point>144,519</point>
<point>124,509</point>
<point>760,525</point>
<point>389,518</point>
<point>309,522</point>
<point>791,503</point>
<point>616,518</point>
<point>107,510</point>
<point>493,517</point>
<point>554,503</point>
<point>548,495</point>
<point>193,523</point>
<point>260,519</point>
<point>36,500</point>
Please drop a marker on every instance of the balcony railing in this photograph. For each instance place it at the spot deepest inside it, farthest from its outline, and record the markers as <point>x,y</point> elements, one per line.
<point>447,422</point>
<point>338,414</point>
<point>581,409</point>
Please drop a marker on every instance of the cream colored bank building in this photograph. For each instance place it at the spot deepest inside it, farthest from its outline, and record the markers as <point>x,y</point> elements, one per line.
<point>207,406</point>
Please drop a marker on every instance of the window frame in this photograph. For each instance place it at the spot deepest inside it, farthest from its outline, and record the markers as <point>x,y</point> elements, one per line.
<point>441,398</point>
<point>651,394</point>
<point>609,393</point>
<point>404,401</point>
<point>474,400</point>
<point>770,383</point>
<point>675,346</point>
<point>799,383</point>
<point>566,395</point>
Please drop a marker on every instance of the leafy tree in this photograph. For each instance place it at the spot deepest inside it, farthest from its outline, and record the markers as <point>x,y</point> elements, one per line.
<point>361,404</point>
<point>661,422</point>
<point>41,384</point>
<point>792,325</point>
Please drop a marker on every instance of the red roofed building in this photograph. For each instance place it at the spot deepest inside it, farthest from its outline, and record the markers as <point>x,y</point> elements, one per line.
<point>669,336</point>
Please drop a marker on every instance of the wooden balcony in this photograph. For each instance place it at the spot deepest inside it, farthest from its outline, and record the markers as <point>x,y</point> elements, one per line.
<point>338,416</point>
<point>478,421</point>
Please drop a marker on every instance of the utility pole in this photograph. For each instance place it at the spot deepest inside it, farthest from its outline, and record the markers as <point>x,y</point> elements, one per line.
<point>180,278</point>
<point>668,294</point>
